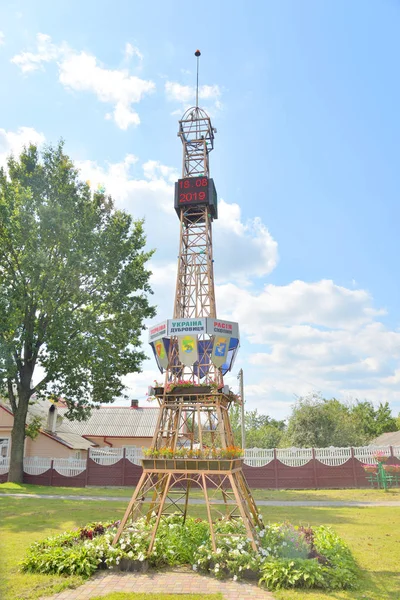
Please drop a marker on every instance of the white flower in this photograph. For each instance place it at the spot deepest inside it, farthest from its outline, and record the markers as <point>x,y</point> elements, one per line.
<point>217,566</point>
<point>195,567</point>
<point>235,578</point>
<point>284,544</point>
<point>130,553</point>
<point>240,568</point>
<point>218,551</point>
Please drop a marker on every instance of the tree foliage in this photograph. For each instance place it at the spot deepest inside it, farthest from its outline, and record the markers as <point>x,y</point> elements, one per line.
<point>73,289</point>
<point>318,422</point>
<point>261,430</point>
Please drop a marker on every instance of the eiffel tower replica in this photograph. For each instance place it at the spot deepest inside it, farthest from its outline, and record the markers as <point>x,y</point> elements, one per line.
<point>193,445</point>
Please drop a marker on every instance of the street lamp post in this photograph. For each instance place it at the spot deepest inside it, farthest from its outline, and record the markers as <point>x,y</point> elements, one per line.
<point>241,392</point>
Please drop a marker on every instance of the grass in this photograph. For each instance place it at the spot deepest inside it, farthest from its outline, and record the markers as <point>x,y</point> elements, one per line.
<point>350,495</point>
<point>372,533</point>
<point>133,596</point>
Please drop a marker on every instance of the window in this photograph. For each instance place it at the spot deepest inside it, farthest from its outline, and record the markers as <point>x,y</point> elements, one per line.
<point>4,447</point>
<point>78,454</point>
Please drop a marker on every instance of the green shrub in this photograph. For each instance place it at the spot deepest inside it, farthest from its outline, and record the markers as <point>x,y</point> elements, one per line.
<point>287,573</point>
<point>286,557</point>
<point>334,567</point>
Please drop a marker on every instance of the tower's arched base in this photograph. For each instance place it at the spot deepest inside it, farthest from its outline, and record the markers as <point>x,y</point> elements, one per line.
<point>162,491</point>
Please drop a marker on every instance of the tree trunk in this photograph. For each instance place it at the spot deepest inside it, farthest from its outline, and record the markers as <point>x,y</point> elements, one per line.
<point>16,472</point>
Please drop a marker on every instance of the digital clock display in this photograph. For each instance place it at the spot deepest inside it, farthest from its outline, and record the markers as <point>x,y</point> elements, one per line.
<point>193,190</point>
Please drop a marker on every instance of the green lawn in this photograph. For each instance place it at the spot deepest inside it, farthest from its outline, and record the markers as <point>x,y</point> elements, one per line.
<point>362,495</point>
<point>372,533</point>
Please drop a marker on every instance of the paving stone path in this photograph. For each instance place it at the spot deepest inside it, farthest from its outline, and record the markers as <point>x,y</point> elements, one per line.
<point>175,581</point>
<point>294,503</point>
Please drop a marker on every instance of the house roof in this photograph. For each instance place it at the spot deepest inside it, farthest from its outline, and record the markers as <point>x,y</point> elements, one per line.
<point>115,421</point>
<point>106,421</point>
<point>73,440</point>
<point>66,438</point>
<point>387,439</point>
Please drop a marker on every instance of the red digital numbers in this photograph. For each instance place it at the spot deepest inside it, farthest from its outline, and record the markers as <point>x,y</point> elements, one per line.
<point>192,196</point>
<point>193,182</point>
<point>192,190</point>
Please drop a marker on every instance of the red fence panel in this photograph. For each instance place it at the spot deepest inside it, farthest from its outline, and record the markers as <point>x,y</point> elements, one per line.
<point>71,481</point>
<point>42,479</point>
<point>104,475</point>
<point>132,473</point>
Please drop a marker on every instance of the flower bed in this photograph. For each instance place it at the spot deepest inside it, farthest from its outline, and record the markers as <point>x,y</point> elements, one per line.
<point>287,556</point>
<point>370,469</point>
<point>181,464</point>
<point>229,453</point>
<point>392,469</point>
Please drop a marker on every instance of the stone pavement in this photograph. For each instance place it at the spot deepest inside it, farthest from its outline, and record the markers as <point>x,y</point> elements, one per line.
<point>293,503</point>
<point>175,581</point>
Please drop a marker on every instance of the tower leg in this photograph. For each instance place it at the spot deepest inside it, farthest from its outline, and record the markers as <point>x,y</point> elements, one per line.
<point>210,521</point>
<point>244,513</point>
<point>160,509</point>
<point>139,489</point>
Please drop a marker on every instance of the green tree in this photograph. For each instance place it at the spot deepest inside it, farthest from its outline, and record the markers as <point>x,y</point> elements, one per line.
<point>73,290</point>
<point>317,423</point>
<point>384,421</point>
<point>373,422</point>
<point>364,417</point>
<point>261,430</point>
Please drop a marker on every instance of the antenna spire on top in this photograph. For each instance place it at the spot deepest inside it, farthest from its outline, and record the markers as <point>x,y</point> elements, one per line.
<point>197,54</point>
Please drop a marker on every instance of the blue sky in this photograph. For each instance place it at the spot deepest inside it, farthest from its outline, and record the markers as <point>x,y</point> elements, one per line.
<point>305,98</point>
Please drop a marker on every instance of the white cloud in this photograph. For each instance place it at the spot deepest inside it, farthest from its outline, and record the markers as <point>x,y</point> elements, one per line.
<point>254,251</point>
<point>12,142</point>
<point>321,304</point>
<point>131,51</point>
<point>313,337</point>
<point>2,38</point>
<point>186,94</point>
<point>46,51</point>
<point>80,71</point>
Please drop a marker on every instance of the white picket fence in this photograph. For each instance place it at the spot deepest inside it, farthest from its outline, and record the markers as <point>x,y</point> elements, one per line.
<point>106,456</point>
<point>4,465</point>
<point>36,465</point>
<point>69,467</point>
<point>254,457</point>
<point>258,457</point>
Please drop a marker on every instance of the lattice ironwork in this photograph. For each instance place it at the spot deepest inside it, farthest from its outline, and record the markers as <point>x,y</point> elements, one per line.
<point>193,429</point>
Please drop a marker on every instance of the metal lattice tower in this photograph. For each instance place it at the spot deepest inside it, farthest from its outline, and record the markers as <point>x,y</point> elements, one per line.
<point>195,294</point>
<point>193,430</point>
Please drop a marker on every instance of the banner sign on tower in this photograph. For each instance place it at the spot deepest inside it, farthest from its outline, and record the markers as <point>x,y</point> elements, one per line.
<point>227,328</point>
<point>186,326</point>
<point>188,351</point>
<point>158,331</point>
<point>161,351</point>
<point>220,350</point>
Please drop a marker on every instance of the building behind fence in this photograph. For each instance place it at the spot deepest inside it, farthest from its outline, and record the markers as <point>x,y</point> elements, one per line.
<point>286,468</point>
